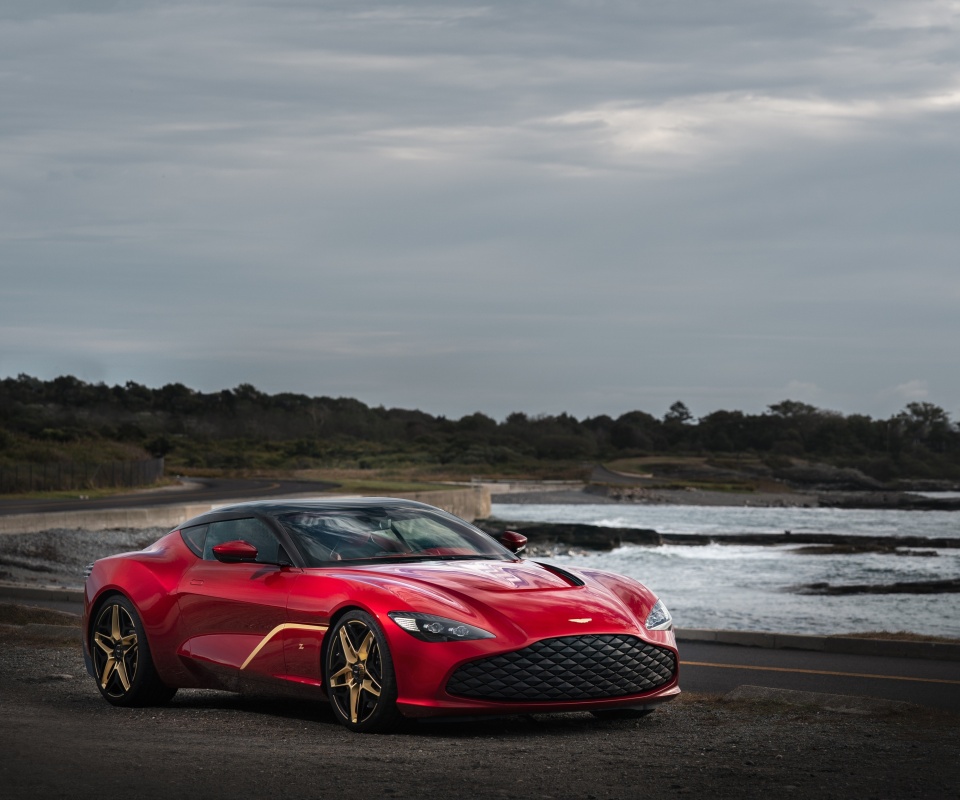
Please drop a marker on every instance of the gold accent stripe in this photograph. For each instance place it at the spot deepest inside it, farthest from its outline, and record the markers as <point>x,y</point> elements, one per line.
<point>820,672</point>
<point>275,631</point>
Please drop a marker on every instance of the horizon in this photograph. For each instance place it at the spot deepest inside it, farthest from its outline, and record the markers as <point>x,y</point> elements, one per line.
<point>694,418</point>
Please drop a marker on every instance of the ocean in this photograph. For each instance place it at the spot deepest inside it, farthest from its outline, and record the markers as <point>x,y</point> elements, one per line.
<point>740,587</point>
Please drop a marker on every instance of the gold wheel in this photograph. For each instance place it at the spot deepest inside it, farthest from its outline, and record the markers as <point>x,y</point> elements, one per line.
<point>360,674</point>
<point>116,651</point>
<point>122,664</point>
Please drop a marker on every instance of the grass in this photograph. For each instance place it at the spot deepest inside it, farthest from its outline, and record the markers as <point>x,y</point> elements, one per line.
<point>667,472</point>
<point>378,481</point>
<point>85,449</point>
<point>379,486</point>
<point>349,481</point>
<point>87,494</point>
<point>647,463</point>
<point>409,477</point>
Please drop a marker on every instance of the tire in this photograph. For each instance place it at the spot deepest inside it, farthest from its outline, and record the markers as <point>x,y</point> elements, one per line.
<point>360,679</point>
<point>622,713</point>
<point>124,670</point>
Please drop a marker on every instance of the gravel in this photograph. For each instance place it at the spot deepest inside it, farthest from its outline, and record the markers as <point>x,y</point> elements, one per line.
<point>60,739</point>
<point>57,557</point>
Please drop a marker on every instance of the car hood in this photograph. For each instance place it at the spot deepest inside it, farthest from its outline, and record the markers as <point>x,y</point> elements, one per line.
<point>522,597</point>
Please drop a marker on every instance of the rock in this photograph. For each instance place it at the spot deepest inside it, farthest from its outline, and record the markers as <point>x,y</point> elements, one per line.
<point>593,537</point>
<point>900,587</point>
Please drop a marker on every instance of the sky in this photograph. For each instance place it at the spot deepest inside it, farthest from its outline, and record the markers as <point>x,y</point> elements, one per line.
<point>581,206</point>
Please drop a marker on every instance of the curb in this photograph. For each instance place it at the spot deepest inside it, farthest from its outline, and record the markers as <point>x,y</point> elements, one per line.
<point>891,648</point>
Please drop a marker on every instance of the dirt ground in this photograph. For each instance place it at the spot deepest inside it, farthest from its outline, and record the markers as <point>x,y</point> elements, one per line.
<point>60,739</point>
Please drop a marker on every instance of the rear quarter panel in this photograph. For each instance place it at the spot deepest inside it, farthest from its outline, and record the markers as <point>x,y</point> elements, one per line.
<point>148,578</point>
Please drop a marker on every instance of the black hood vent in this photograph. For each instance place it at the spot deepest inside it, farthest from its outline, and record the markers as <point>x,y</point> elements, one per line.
<point>567,576</point>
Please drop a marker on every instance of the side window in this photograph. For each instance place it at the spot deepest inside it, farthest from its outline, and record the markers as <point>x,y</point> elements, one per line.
<point>193,537</point>
<point>248,530</point>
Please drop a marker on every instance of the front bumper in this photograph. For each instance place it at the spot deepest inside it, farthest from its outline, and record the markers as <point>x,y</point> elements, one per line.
<point>583,672</point>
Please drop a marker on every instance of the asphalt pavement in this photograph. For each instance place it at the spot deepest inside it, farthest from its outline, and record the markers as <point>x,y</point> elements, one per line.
<point>193,490</point>
<point>720,668</point>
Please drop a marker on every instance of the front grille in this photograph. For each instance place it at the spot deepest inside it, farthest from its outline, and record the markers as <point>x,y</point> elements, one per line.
<point>568,668</point>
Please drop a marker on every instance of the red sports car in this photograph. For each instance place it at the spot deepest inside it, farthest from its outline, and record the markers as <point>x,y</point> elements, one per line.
<point>387,608</point>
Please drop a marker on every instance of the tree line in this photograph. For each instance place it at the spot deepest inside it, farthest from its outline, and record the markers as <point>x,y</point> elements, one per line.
<point>215,429</point>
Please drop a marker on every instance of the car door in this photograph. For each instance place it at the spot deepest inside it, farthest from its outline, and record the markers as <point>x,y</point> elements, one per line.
<point>231,613</point>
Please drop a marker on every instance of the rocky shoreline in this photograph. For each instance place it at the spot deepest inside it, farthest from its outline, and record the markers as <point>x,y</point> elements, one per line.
<point>609,494</point>
<point>596,537</point>
<point>545,540</point>
<point>900,587</point>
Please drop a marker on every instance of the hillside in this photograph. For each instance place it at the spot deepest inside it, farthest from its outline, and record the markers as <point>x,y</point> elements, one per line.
<point>245,429</point>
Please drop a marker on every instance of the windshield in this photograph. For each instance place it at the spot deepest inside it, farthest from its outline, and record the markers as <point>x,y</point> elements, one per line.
<point>386,534</point>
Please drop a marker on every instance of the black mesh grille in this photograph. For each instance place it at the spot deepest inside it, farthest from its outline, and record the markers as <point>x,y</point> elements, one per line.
<point>568,668</point>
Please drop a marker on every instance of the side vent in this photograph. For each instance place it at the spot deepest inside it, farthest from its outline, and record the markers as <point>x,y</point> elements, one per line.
<point>567,576</point>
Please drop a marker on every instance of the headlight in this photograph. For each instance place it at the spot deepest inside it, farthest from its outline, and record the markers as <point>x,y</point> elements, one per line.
<point>659,618</point>
<point>430,628</point>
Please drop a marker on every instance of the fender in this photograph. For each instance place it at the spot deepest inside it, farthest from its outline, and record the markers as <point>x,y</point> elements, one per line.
<point>149,579</point>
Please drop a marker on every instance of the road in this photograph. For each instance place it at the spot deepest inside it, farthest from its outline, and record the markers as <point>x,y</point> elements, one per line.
<point>719,668</point>
<point>197,490</point>
<point>601,474</point>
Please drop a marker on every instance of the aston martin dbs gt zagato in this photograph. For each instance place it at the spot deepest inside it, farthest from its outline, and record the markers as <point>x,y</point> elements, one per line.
<point>386,608</point>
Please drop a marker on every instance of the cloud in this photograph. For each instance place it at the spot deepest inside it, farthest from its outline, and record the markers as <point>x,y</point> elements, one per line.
<point>687,131</point>
<point>909,392</point>
<point>918,14</point>
<point>483,206</point>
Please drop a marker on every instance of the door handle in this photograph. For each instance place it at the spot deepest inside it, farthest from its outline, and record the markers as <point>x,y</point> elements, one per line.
<point>196,583</point>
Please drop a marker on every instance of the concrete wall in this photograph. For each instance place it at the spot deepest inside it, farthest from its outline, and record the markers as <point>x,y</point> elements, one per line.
<point>522,487</point>
<point>469,504</point>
